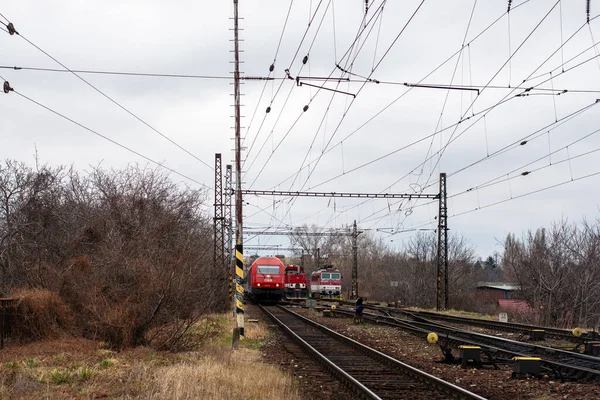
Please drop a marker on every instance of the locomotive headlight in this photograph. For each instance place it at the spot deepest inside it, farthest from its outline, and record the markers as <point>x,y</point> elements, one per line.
<point>277,285</point>
<point>258,284</point>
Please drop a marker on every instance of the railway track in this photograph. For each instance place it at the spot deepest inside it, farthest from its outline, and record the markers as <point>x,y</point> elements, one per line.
<point>564,364</point>
<point>369,373</point>
<point>556,333</point>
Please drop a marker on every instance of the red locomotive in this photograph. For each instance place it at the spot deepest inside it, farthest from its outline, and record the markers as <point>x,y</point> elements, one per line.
<point>326,283</point>
<point>266,280</point>
<point>295,283</point>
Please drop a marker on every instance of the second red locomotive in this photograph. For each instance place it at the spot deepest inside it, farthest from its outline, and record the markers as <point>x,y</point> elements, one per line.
<point>295,283</point>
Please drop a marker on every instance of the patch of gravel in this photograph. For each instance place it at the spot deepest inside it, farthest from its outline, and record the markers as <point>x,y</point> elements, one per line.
<point>485,381</point>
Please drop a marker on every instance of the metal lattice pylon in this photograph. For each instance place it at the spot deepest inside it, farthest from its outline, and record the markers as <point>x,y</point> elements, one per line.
<point>229,256</point>
<point>442,254</point>
<point>219,227</point>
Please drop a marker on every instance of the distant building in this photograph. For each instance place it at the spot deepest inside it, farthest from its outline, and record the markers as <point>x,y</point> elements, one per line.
<point>494,291</point>
<point>504,295</point>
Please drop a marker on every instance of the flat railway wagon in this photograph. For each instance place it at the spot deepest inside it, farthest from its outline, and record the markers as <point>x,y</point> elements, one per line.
<point>265,281</point>
<point>295,283</point>
<point>326,283</point>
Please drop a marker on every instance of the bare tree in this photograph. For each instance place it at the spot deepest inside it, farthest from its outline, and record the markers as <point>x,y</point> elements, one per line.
<point>127,250</point>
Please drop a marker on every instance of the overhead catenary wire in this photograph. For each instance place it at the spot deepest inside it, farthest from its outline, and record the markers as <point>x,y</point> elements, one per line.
<point>515,144</point>
<point>271,71</point>
<point>269,78</point>
<point>562,120</point>
<point>341,142</point>
<point>439,122</point>
<point>360,89</point>
<point>159,164</point>
<point>505,177</point>
<point>361,30</point>
<point>323,120</point>
<point>268,110</point>
<point>359,33</point>
<point>115,102</point>
<point>452,139</point>
<point>527,194</point>
<point>138,74</point>
<point>476,37</point>
<point>301,113</point>
<point>443,150</point>
<point>352,102</point>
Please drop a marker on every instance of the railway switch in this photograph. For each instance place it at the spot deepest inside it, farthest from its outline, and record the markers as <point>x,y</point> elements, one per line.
<point>537,334</point>
<point>467,353</point>
<point>527,365</point>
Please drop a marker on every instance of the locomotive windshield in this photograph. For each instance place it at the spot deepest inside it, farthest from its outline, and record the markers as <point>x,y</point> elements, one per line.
<point>326,276</point>
<point>268,269</point>
<point>335,276</point>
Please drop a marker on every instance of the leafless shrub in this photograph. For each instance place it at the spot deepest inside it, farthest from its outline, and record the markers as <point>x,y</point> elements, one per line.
<point>558,271</point>
<point>40,314</point>
<point>127,250</point>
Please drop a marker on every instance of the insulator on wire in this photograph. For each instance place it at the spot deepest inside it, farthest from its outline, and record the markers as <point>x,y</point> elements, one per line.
<point>272,67</point>
<point>305,108</point>
<point>268,110</point>
<point>12,30</point>
<point>7,87</point>
<point>305,59</point>
<point>525,173</point>
<point>509,4</point>
<point>523,143</point>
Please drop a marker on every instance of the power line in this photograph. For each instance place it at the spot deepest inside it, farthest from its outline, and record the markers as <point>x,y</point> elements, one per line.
<point>361,30</point>
<point>359,33</point>
<point>516,144</point>
<point>491,107</point>
<point>480,34</point>
<point>352,102</point>
<point>377,14</point>
<point>452,139</point>
<point>281,37</point>
<point>527,194</point>
<point>271,69</point>
<point>161,165</point>
<point>114,101</point>
<point>142,74</point>
<point>268,110</point>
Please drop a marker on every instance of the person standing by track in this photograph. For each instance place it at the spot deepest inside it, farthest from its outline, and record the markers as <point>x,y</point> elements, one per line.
<point>358,318</point>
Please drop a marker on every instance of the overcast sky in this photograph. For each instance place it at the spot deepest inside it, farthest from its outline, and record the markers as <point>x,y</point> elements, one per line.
<point>339,143</point>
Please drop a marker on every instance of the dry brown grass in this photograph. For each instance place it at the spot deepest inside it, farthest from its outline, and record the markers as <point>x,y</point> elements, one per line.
<point>86,369</point>
<point>234,375</point>
<point>40,314</point>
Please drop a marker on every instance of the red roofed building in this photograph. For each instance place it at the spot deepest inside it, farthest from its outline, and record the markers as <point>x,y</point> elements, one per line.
<point>504,295</point>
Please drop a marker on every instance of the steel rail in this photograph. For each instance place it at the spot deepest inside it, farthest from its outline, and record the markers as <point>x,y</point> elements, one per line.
<point>447,388</point>
<point>573,365</point>
<point>557,333</point>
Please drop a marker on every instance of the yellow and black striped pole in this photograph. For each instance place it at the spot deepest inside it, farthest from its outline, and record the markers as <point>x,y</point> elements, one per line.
<point>239,290</point>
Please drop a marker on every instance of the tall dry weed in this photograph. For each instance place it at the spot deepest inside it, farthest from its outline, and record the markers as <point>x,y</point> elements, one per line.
<point>231,375</point>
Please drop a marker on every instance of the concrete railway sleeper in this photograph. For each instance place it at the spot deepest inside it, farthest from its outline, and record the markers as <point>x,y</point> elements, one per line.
<point>369,373</point>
